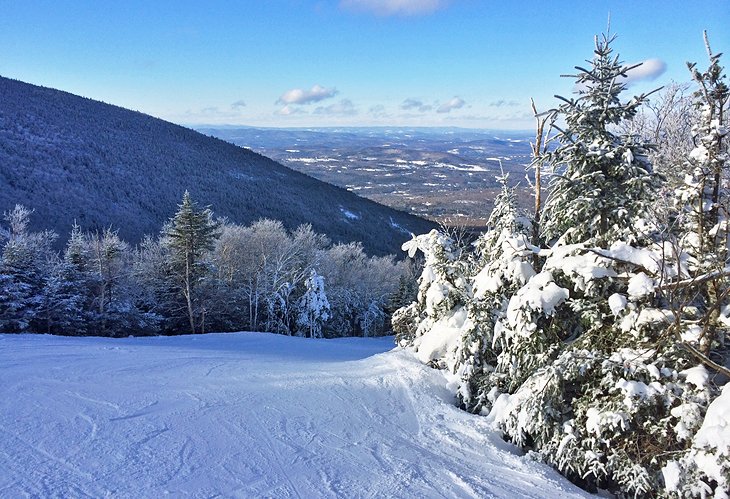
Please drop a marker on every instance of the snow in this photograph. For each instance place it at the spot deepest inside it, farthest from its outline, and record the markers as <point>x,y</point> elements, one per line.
<point>692,334</point>
<point>696,375</point>
<point>711,445</point>
<point>617,302</point>
<point>435,294</point>
<point>540,293</point>
<point>442,336</point>
<point>638,390</point>
<point>715,430</point>
<point>639,256</point>
<point>596,421</point>
<point>640,285</point>
<point>349,214</point>
<point>672,473</point>
<point>244,415</point>
<point>583,268</point>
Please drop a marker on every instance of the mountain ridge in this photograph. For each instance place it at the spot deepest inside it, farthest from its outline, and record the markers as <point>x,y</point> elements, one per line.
<point>72,158</point>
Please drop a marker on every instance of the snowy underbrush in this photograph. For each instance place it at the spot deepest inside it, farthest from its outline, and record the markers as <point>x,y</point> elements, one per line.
<point>583,361</point>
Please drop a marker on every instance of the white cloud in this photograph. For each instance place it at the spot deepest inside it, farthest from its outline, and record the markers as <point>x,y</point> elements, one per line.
<point>504,103</point>
<point>378,111</point>
<point>289,110</point>
<point>415,104</point>
<point>343,108</point>
<point>394,7</point>
<point>447,107</point>
<point>649,70</point>
<point>238,104</point>
<point>301,96</point>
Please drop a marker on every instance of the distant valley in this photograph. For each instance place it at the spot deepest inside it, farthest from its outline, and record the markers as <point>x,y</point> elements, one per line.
<point>445,174</point>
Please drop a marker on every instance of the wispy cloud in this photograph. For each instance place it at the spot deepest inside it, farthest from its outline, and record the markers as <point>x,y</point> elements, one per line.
<point>301,96</point>
<point>504,103</point>
<point>378,111</point>
<point>649,70</point>
<point>394,7</point>
<point>343,108</point>
<point>290,110</point>
<point>519,117</point>
<point>415,104</point>
<point>447,107</point>
<point>238,104</point>
<point>213,115</point>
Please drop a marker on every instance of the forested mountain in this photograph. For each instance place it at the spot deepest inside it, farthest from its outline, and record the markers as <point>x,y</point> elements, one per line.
<point>71,158</point>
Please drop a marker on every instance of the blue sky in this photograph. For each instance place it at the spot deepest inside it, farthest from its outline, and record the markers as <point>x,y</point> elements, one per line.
<point>469,63</point>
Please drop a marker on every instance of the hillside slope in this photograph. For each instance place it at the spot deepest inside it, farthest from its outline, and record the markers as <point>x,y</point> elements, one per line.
<point>244,415</point>
<point>72,158</point>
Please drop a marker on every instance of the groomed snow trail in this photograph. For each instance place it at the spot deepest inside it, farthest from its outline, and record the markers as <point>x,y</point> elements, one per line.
<point>243,415</point>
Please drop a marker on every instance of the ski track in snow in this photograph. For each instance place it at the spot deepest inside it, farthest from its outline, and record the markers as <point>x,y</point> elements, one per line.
<point>244,415</point>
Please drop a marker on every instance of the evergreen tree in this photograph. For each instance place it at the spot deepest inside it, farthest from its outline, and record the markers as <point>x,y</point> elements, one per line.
<point>26,261</point>
<point>588,358</point>
<point>703,198</point>
<point>602,184</point>
<point>189,236</point>
<point>501,265</point>
<point>704,203</point>
<point>66,307</point>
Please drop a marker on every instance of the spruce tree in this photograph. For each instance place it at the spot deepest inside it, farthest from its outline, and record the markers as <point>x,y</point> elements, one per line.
<point>189,236</point>
<point>703,192</point>
<point>602,182</point>
<point>704,201</point>
<point>25,263</point>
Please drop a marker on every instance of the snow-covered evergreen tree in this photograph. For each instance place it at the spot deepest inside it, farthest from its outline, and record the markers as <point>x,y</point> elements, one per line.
<point>188,237</point>
<point>25,264</point>
<point>500,265</point>
<point>602,182</point>
<point>704,202</point>
<point>66,307</point>
<point>443,290</point>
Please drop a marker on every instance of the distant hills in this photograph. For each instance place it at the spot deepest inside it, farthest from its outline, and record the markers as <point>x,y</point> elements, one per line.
<point>446,174</point>
<point>72,158</point>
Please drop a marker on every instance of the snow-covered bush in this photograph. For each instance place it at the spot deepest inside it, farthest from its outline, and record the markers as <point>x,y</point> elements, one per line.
<point>314,309</point>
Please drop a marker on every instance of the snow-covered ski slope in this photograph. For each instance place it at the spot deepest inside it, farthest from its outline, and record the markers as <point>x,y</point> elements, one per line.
<point>243,415</point>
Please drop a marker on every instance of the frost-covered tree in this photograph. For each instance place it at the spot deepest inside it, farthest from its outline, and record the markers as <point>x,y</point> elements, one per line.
<point>501,264</point>
<point>91,289</point>
<point>360,290</point>
<point>66,308</point>
<point>25,264</point>
<point>665,121</point>
<point>189,236</point>
<point>314,308</point>
<point>585,351</point>
<point>704,194</point>
<point>602,183</point>
<point>703,204</point>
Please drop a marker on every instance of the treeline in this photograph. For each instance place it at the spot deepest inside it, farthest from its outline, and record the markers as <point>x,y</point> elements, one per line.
<point>198,275</point>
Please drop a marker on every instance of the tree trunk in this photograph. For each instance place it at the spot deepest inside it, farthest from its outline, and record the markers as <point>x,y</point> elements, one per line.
<point>188,296</point>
